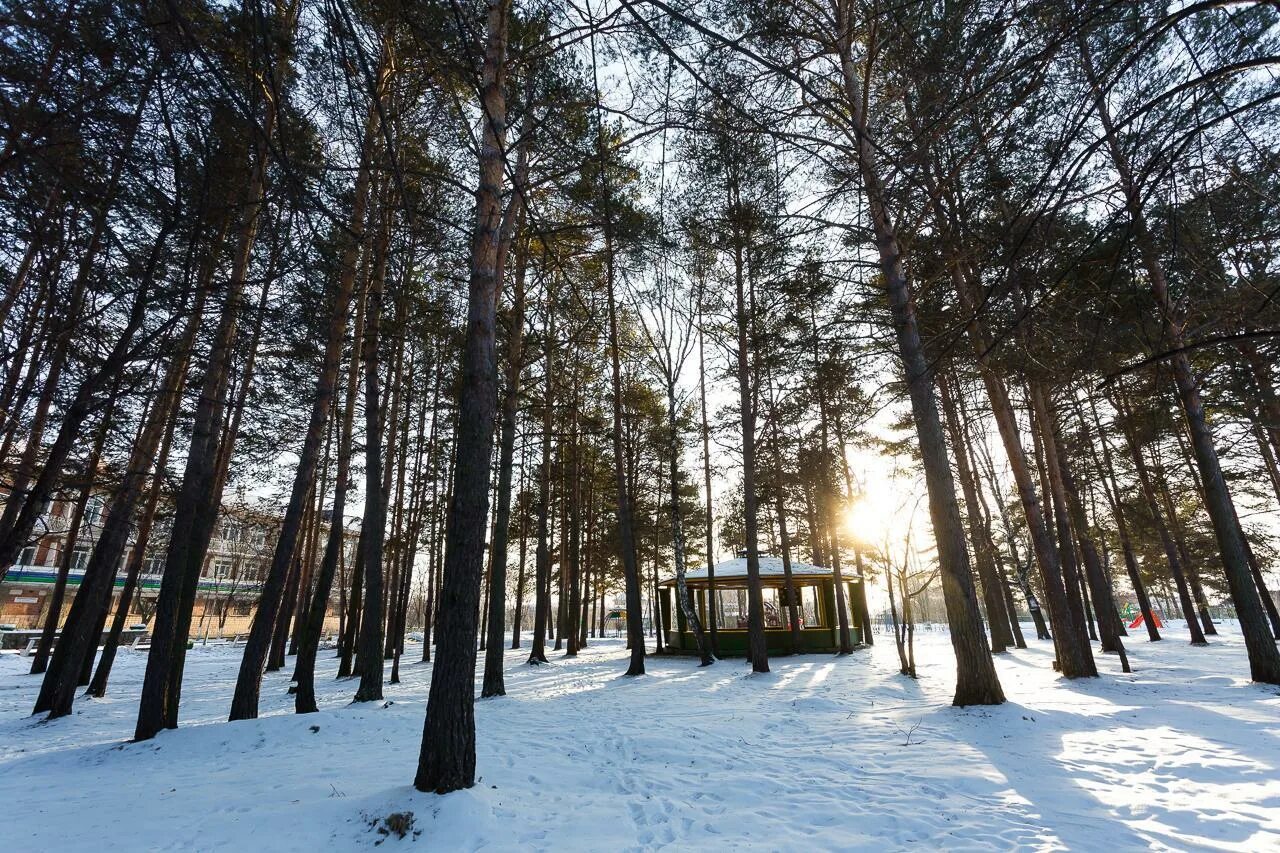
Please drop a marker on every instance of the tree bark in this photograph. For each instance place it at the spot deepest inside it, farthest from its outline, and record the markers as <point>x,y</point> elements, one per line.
<point>997,616</point>
<point>81,631</point>
<point>1108,619</point>
<point>626,530</point>
<point>40,661</point>
<point>193,516</point>
<point>1162,530</point>
<point>517,615</point>
<point>542,550</point>
<point>335,542</point>
<point>976,680</point>
<point>448,757</point>
<point>757,648</point>
<point>706,477</point>
<point>492,683</point>
<point>369,655</point>
<point>1264,657</point>
<point>1112,492</point>
<point>1068,634</point>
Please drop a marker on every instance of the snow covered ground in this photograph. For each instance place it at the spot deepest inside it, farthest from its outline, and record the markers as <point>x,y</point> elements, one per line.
<point>822,753</point>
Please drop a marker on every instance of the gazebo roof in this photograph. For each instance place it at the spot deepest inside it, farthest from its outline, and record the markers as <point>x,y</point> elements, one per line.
<point>770,567</point>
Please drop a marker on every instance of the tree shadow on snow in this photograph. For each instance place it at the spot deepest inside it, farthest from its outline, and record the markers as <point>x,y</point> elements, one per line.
<point>1068,782</point>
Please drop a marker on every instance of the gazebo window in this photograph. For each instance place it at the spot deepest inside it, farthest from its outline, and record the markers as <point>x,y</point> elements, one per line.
<point>779,611</point>
<point>732,610</point>
<point>809,612</point>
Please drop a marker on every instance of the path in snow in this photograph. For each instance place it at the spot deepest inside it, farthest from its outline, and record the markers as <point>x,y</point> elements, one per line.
<point>822,753</point>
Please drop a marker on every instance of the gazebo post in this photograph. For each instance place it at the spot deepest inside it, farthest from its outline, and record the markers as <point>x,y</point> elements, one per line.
<point>855,618</point>
<point>828,605</point>
<point>664,616</point>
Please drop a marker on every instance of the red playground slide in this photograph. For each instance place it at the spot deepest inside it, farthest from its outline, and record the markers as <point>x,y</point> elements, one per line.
<point>1136,622</point>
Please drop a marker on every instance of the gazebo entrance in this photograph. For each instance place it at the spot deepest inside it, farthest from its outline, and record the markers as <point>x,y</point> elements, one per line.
<point>816,607</point>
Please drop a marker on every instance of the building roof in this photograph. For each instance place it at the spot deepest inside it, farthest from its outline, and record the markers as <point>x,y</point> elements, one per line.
<point>770,567</point>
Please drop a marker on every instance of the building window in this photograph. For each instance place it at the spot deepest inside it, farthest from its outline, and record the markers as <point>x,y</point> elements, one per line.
<point>153,565</point>
<point>28,556</point>
<point>221,569</point>
<point>79,558</point>
<point>93,511</point>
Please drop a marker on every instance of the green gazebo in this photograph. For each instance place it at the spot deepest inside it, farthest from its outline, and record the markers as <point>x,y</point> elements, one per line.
<point>727,591</point>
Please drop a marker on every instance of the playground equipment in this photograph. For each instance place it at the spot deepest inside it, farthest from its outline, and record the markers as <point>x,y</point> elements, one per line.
<point>1130,611</point>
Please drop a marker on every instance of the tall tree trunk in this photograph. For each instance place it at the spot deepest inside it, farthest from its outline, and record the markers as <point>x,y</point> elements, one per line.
<point>335,542</point>
<point>448,758</point>
<point>626,530</point>
<point>1264,657</point>
<point>757,647</point>
<point>824,500</point>
<point>1108,619</point>
<point>706,477</point>
<point>542,550</point>
<point>792,594</point>
<point>976,680</point>
<point>1068,634</point>
<point>397,447</point>
<point>997,616</point>
<point>1112,492</point>
<point>517,615</point>
<point>590,574</point>
<point>492,684</point>
<point>355,607</point>
<point>167,404</point>
<point>976,451</point>
<point>433,453</point>
<point>137,557</point>
<point>1161,482</point>
<point>82,628</point>
<point>279,638</point>
<point>571,570</point>
<point>374,524</point>
<point>1157,517</point>
<point>193,516</point>
<point>1052,485</point>
<point>40,662</point>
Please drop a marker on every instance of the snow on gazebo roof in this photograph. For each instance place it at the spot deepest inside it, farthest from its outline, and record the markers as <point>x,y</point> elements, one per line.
<point>769,567</point>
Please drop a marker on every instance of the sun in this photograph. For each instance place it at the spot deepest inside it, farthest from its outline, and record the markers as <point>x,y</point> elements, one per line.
<point>884,514</point>
<point>871,519</point>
